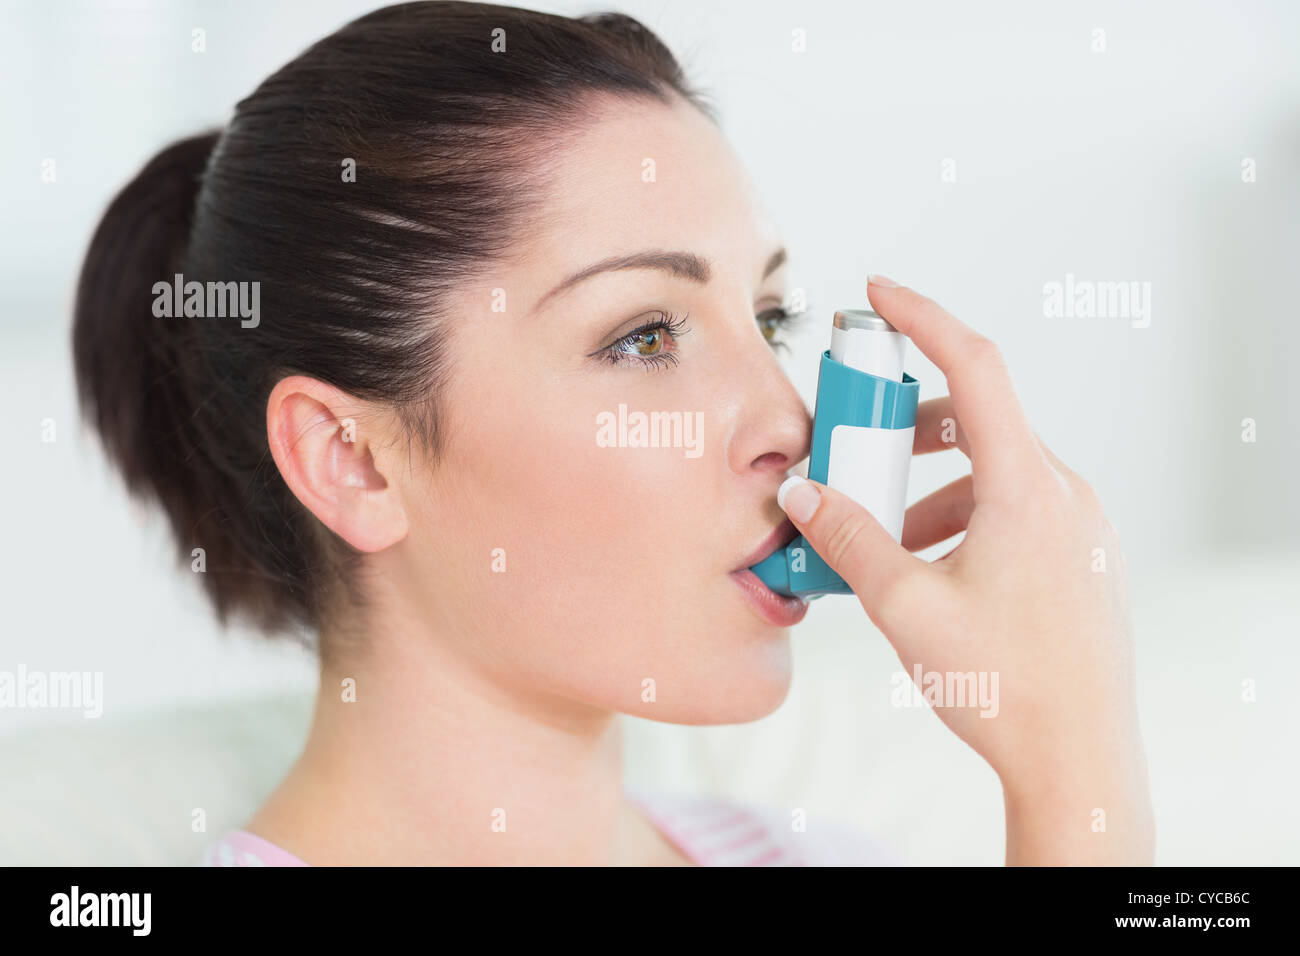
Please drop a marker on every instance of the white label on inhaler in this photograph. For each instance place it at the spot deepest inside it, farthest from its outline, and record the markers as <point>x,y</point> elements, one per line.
<point>870,466</point>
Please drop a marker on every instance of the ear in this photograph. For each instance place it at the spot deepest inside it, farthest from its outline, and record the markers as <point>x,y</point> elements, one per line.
<point>325,455</point>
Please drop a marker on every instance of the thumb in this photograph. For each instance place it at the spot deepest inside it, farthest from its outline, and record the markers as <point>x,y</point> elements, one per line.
<point>886,577</point>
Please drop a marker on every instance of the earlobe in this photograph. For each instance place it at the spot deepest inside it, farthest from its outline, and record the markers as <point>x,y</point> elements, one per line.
<point>319,440</point>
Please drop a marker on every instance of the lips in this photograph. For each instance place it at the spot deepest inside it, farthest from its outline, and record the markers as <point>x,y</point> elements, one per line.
<point>775,609</point>
<point>772,608</point>
<point>779,537</point>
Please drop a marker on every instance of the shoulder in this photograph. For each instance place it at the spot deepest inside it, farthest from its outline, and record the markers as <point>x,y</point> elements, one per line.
<point>719,832</point>
<point>241,848</point>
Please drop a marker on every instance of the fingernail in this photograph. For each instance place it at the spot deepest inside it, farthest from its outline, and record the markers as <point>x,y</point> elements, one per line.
<point>798,498</point>
<point>883,281</point>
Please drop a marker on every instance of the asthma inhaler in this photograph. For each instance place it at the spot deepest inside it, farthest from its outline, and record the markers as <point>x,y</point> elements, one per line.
<point>863,426</point>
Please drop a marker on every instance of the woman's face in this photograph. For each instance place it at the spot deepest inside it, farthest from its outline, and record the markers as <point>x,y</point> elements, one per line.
<point>561,551</point>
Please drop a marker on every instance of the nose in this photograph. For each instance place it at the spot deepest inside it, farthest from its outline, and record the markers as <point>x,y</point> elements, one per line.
<point>773,430</point>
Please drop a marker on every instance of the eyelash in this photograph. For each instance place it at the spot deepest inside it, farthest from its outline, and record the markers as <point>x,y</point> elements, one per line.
<point>675,326</point>
<point>785,321</point>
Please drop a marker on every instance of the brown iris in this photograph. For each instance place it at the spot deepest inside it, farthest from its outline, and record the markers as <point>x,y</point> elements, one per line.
<point>649,342</point>
<point>770,323</point>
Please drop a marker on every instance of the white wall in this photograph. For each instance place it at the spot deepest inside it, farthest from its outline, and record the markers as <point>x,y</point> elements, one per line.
<point>1116,165</point>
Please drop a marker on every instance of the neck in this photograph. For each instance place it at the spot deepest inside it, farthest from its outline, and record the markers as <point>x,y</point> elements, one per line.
<point>437,763</point>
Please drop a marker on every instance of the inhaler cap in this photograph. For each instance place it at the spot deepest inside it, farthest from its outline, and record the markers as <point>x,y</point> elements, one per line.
<point>863,340</point>
<point>862,319</point>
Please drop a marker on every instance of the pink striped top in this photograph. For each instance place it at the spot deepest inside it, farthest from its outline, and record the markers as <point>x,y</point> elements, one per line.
<point>708,831</point>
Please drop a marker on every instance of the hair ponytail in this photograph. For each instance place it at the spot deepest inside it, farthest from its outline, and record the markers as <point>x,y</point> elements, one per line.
<point>144,380</point>
<point>125,356</point>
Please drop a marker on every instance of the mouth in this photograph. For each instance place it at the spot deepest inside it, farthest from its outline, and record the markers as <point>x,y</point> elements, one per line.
<point>775,609</point>
<point>779,537</point>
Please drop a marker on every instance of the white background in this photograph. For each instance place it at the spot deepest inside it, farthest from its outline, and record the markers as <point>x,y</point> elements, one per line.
<point>1123,165</point>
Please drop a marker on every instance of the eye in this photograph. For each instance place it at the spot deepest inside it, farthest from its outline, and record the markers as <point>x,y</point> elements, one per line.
<point>653,345</point>
<point>777,320</point>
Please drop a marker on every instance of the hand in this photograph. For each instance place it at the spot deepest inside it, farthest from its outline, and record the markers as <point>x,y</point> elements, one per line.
<point>1033,597</point>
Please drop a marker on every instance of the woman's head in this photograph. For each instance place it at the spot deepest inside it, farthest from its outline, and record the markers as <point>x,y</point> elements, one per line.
<point>421,429</point>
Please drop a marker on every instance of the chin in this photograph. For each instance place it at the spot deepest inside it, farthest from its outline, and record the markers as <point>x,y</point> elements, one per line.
<point>753,684</point>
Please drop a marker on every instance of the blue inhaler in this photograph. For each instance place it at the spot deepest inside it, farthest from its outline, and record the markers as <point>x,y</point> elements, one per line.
<point>863,426</point>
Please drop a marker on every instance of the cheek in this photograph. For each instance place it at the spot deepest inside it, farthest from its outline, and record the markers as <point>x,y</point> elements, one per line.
<point>613,571</point>
<point>582,514</point>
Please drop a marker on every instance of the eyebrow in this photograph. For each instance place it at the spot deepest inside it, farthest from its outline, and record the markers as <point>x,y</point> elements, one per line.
<point>684,265</point>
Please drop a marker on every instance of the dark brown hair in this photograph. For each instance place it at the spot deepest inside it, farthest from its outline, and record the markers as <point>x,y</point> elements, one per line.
<point>444,131</point>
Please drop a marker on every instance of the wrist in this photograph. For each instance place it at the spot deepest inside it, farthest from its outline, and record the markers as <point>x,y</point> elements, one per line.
<point>1081,816</point>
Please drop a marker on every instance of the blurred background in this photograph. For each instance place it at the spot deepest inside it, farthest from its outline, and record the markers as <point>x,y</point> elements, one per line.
<point>978,153</point>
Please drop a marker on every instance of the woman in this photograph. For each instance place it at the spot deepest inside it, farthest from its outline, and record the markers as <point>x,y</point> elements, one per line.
<point>462,235</point>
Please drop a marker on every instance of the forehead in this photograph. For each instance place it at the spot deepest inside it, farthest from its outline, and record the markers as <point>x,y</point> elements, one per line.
<point>640,174</point>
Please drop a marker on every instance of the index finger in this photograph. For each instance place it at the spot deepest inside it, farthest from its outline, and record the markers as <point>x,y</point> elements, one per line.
<point>1002,446</point>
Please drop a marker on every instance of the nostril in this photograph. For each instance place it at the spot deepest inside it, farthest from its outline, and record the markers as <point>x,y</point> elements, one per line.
<point>771,461</point>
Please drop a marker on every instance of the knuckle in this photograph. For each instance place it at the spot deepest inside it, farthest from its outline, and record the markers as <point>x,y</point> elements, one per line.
<point>1087,494</point>
<point>925,305</point>
<point>981,361</point>
<point>839,543</point>
<point>1081,492</point>
<point>984,351</point>
<point>1044,493</point>
<point>1046,483</point>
